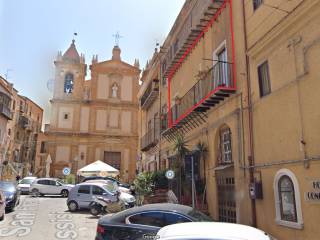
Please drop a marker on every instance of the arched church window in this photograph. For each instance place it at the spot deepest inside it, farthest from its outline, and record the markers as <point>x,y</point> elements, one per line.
<point>68,83</point>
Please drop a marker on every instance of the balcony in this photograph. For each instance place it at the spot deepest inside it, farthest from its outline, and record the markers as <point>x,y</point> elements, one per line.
<point>23,122</point>
<point>203,13</point>
<point>151,138</point>
<point>5,111</point>
<point>150,94</point>
<point>212,88</point>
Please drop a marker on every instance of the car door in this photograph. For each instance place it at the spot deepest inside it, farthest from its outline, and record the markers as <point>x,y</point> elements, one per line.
<point>84,196</point>
<point>132,232</point>
<point>173,218</point>
<point>42,186</point>
<point>55,187</point>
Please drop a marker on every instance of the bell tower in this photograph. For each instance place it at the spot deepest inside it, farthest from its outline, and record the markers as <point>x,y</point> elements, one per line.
<point>69,75</point>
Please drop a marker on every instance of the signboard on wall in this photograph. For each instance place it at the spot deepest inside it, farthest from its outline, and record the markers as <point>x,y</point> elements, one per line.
<point>313,192</point>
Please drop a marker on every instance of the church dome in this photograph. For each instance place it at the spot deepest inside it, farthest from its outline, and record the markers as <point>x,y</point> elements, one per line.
<point>71,55</point>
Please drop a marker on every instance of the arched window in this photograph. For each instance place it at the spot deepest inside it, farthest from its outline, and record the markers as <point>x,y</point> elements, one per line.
<point>225,150</point>
<point>287,199</point>
<point>68,83</point>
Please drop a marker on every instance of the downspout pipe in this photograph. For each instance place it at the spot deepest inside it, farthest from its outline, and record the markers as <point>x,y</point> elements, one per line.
<point>250,121</point>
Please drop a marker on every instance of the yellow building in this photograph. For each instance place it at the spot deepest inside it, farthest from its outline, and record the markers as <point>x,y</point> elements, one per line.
<point>20,133</point>
<point>202,86</point>
<point>150,116</point>
<point>93,119</point>
<point>283,49</point>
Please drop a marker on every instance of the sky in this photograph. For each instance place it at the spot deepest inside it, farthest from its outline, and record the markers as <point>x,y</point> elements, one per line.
<point>33,31</point>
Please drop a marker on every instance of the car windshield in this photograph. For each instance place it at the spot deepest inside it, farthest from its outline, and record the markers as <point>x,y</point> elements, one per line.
<point>199,216</point>
<point>26,181</point>
<point>111,186</point>
<point>7,186</point>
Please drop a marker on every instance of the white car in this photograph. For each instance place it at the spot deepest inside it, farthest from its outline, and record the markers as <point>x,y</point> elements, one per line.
<point>25,183</point>
<point>211,231</point>
<point>50,186</point>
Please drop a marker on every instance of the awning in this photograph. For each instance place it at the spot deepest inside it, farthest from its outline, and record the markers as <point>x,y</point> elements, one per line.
<point>98,168</point>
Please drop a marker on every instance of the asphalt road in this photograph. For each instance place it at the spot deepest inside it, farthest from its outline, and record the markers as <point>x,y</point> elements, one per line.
<point>47,218</point>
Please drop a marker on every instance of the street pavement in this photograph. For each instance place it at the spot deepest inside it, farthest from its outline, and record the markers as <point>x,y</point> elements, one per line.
<point>47,218</point>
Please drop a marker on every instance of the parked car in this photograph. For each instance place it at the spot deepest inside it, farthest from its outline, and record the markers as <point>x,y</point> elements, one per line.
<point>211,231</point>
<point>144,222</point>
<point>121,189</point>
<point>83,194</point>
<point>120,184</point>
<point>2,205</point>
<point>11,193</point>
<point>49,186</point>
<point>25,183</point>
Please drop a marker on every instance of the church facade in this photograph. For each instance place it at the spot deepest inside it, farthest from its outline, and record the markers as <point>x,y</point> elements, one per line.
<point>94,119</point>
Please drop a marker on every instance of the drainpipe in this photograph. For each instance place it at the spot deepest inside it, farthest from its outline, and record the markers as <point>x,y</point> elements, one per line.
<point>251,147</point>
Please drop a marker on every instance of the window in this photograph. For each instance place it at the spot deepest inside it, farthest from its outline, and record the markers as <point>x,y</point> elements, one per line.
<point>225,156</point>
<point>85,189</point>
<point>223,79</point>
<point>97,190</point>
<point>43,182</point>
<point>264,79</point>
<point>68,83</point>
<point>9,131</point>
<point>14,105</point>
<point>257,4</point>
<point>172,218</point>
<point>148,218</point>
<point>65,116</point>
<point>287,199</point>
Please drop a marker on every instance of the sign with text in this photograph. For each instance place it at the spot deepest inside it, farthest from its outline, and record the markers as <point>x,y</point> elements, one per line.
<point>313,195</point>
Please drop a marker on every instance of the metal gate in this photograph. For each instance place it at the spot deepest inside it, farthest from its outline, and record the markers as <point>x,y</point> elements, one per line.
<point>226,196</point>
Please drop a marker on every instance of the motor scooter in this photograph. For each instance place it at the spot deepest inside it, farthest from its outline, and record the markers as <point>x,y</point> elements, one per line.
<point>102,205</point>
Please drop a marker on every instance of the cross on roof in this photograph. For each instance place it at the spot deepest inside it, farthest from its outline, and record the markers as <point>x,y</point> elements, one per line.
<point>116,38</point>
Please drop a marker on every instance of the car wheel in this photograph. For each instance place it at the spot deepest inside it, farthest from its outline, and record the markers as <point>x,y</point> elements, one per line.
<point>73,206</point>
<point>35,192</point>
<point>64,193</point>
<point>95,211</point>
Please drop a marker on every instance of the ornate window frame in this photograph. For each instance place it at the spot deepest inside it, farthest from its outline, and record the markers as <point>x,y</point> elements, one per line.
<point>278,220</point>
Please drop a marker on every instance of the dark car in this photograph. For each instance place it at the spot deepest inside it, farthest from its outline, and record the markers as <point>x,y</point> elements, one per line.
<point>120,184</point>
<point>144,222</point>
<point>11,194</point>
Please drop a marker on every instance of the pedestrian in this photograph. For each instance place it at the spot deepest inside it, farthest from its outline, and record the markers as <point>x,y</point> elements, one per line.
<point>18,178</point>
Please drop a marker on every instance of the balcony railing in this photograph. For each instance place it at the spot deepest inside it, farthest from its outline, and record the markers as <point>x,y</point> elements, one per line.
<point>198,18</point>
<point>150,94</point>
<point>5,111</point>
<point>211,88</point>
<point>151,138</point>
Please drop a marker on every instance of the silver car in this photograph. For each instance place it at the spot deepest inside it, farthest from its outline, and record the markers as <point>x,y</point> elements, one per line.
<point>2,205</point>
<point>84,193</point>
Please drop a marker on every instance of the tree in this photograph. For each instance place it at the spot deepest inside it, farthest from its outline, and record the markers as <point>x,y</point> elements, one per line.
<point>202,149</point>
<point>181,149</point>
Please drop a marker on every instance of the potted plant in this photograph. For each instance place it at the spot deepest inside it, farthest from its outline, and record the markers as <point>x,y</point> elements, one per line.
<point>143,186</point>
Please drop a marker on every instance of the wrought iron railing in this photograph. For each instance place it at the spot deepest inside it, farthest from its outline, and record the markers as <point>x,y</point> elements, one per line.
<point>153,86</point>
<point>5,110</point>
<point>151,138</point>
<point>218,77</point>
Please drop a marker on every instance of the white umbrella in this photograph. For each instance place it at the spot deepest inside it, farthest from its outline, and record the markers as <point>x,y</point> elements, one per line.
<point>98,168</point>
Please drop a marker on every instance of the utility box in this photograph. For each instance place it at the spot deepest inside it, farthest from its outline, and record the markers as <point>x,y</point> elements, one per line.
<point>255,190</point>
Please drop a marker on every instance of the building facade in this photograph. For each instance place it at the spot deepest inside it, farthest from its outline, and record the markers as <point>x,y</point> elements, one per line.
<point>283,50</point>
<point>149,97</point>
<point>20,133</point>
<point>93,119</point>
<point>5,117</point>
<point>240,78</point>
